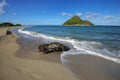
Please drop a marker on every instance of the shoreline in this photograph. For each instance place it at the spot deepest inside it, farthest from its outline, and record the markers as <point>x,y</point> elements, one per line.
<point>26,63</point>
<point>105,69</point>
<point>73,44</point>
<point>13,67</point>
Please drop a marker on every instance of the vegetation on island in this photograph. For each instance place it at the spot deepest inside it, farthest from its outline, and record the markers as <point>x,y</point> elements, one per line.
<point>18,25</point>
<point>8,24</point>
<point>76,21</point>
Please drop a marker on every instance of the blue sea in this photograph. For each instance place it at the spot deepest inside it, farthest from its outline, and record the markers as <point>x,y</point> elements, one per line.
<point>102,41</point>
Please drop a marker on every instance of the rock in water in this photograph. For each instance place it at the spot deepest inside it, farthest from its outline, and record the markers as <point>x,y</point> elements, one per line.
<point>53,47</point>
<point>8,32</point>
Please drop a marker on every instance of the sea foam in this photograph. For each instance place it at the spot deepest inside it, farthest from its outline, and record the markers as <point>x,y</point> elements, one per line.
<point>80,47</point>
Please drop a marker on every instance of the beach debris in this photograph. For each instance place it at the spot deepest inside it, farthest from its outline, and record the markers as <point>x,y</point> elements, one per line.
<point>52,47</point>
<point>8,32</point>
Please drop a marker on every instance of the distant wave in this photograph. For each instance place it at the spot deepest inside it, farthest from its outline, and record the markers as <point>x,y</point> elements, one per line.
<point>80,47</point>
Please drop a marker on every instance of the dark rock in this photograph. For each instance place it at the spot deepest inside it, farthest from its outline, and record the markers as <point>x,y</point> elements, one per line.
<point>53,47</point>
<point>8,32</point>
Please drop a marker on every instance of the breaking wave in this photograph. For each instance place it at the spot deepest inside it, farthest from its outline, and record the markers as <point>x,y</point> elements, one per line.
<point>80,47</point>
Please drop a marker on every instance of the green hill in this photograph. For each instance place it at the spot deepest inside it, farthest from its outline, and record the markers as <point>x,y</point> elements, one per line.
<point>76,21</point>
<point>8,24</point>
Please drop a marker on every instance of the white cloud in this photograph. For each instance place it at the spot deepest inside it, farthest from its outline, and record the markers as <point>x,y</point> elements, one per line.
<point>79,14</point>
<point>66,14</point>
<point>70,14</point>
<point>88,13</point>
<point>108,17</point>
<point>88,17</point>
<point>2,4</point>
<point>92,15</point>
<point>95,15</point>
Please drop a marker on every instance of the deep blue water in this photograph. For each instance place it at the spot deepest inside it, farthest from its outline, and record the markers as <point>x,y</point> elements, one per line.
<point>103,40</point>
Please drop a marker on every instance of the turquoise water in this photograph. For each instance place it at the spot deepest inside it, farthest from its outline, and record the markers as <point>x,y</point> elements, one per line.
<point>103,41</point>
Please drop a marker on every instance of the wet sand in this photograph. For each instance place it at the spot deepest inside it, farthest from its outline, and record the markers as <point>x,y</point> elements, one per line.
<point>84,67</point>
<point>17,62</point>
<point>88,67</point>
<point>20,60</point>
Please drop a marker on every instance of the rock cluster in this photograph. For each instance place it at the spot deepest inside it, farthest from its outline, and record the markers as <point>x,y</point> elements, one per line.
<point>52,47</point>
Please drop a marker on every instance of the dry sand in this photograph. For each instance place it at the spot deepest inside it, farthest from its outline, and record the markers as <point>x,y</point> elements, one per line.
<point>16,68</point>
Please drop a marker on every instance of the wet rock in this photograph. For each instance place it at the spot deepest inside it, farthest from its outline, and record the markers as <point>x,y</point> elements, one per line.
<point>8,32</point>
<point>53,47</point>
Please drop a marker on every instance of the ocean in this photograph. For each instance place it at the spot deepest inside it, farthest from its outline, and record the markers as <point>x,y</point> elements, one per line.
<point>102,41</point>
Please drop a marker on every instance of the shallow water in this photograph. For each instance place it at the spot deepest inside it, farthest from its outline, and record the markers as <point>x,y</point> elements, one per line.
<point>102,41</point>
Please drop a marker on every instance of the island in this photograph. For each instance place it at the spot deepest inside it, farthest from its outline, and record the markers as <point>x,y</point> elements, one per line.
<point>8,24</point>
<point>76,21</point>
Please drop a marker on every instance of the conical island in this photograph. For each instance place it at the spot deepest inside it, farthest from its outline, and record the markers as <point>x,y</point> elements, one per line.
<point>76,21</point>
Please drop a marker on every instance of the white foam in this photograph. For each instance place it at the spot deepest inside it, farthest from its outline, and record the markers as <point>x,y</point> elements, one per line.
<point>27,32</point>
<point>83,47</point>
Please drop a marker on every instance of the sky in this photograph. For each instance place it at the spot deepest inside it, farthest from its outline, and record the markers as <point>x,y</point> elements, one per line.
<point>56,12</point>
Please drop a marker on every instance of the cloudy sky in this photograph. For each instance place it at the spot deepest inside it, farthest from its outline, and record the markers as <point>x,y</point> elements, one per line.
<point>55,12</point>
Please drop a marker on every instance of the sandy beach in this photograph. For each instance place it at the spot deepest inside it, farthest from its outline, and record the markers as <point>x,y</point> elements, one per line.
<point>20,60</point>
<point>15,67</point>
<point>59,40</point>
